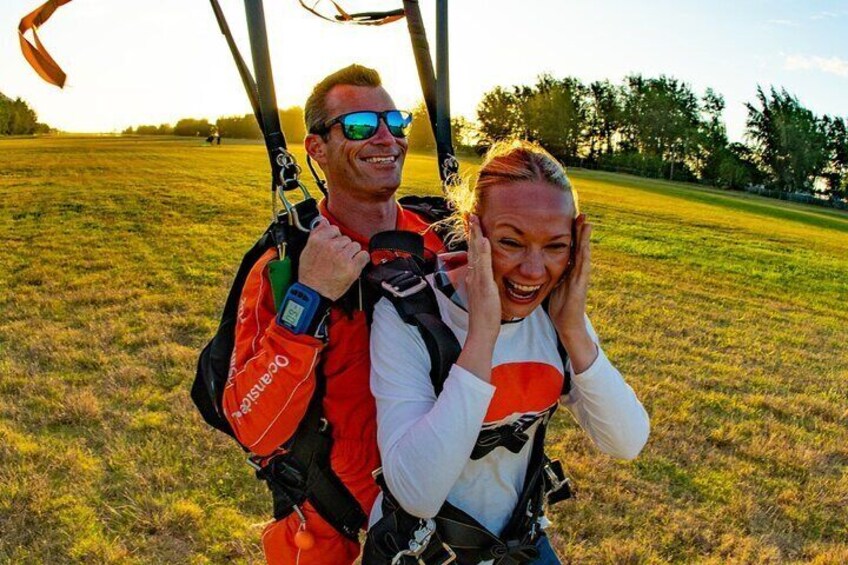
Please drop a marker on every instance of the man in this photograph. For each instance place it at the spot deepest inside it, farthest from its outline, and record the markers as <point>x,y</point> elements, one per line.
<point>273,367</point>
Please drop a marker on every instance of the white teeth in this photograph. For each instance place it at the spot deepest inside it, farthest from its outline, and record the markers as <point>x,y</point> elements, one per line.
<point>523,288</point>
<point>381,159</point>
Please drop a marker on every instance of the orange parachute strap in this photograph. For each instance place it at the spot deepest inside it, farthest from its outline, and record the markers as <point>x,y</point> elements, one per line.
<point>36,55</point>
<point>363,18</point>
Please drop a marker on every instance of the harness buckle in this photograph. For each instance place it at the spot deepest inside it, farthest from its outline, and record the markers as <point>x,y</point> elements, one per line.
<point>400,292</point>
<point>559,485</point>
<point>420,542</point>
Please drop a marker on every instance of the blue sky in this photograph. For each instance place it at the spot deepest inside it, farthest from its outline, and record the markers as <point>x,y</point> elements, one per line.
<point>152,61</point>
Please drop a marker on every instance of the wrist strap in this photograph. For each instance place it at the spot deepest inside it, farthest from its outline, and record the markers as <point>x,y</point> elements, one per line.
<point>304,311</point>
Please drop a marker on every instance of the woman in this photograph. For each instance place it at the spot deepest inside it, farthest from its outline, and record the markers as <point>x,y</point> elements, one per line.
<point>469,450</point>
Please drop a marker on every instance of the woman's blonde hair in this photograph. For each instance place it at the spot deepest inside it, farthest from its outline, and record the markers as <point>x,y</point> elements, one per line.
<point>506,162</point>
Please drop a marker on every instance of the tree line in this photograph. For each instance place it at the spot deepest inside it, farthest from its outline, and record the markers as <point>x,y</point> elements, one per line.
<point>655,127</point>
<point>659,127</point>
<point>17,118</point>
<point>233,127</point>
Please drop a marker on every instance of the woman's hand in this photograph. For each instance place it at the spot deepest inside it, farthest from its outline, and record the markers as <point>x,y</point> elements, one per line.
<point>484,301</point>
<point>484,305</point>
<point>567,307</point>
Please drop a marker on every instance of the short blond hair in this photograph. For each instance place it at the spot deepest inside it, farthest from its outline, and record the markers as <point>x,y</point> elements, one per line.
<point>315,111</point>
<point>507,162</point>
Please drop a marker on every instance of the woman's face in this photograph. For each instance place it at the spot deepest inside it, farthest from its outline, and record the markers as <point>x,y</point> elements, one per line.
<point>529,226</point>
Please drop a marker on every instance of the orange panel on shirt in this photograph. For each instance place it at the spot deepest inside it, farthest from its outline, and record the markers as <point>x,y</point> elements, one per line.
<point>527,387</point>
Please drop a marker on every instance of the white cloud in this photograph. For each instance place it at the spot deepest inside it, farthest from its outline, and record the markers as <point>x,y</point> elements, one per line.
<point>787,23</point>
<point>825,15</point>
<point>831,65</point>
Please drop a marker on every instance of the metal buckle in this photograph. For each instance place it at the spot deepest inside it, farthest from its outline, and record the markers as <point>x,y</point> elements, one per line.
<point>406,292</point>
<point>255,464</point>
<point>419,542</point>
<point>291,213</point>
<point>556,483</point>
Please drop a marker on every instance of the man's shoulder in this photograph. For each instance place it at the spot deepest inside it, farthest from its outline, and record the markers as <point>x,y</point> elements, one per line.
<point>418,221</point>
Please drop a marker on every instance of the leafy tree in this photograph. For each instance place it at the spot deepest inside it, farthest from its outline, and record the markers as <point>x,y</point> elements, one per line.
<point>604,118</point>
<point>162,129</point>
<point>191,127</point>
<point>239,127</point>
<point>293,124</point>
<point>421,135</point>
<point>661,118</point>
<point>463,134</point>
<point>788,142</point>
<point>712,147</point>
<point>836,172</point>
<point>499,116</point>
<point>554,114</point>
<point>17,118</point>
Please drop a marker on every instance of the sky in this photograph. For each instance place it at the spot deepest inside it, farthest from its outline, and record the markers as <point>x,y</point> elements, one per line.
<point>132,62</point>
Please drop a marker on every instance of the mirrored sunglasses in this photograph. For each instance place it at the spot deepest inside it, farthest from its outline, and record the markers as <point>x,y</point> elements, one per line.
<point>358,126</point>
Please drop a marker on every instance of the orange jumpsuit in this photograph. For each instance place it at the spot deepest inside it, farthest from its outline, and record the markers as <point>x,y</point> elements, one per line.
<point>271,380</point>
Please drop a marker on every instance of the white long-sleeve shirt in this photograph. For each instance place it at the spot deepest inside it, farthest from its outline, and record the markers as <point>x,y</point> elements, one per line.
<point>429,445</point>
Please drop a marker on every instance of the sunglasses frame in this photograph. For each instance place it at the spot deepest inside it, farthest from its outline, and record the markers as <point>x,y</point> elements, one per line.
<point>380,116</point>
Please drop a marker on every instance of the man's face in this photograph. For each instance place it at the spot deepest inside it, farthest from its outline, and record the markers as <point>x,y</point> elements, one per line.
<point>371,168</point>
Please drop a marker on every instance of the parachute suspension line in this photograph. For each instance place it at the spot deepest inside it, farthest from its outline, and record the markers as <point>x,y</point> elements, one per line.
<point>285,171</point>
<point>448,164</point>
<point>243,70</point>
<point>282,164</point>
<point>435,90</point>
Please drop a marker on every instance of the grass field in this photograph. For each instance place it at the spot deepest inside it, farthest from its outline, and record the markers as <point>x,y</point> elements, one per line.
<point>727,313</point>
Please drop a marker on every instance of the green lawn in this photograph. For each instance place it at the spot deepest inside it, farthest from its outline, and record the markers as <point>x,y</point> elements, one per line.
<point>727,313</point>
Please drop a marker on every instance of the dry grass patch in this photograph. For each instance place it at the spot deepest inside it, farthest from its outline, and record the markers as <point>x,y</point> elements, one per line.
<point>725,312</point>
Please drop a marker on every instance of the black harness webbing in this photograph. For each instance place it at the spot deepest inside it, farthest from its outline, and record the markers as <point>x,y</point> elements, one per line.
<point>402,282</point>
<point>304,472</point>
<point>400,537</point>
<point>396,538</point>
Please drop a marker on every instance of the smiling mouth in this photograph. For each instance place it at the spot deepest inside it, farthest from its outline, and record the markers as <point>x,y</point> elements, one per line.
<point>391,159</point>
<point>520,292</point>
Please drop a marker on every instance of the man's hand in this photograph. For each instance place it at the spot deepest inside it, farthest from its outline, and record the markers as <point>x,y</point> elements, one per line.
<point>330,262</point>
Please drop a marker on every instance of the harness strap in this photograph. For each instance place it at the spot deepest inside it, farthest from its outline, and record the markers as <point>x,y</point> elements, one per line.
<point>402,282</point>
<point>457,535</point>
<point>312,444</point>
<point>433,88</point>
<point>304,472</point>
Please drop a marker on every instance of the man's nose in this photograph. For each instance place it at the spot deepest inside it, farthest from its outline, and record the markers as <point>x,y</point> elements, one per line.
<point>383,135</point>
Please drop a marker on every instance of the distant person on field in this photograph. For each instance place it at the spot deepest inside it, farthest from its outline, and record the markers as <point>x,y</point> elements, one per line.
<point>518,294</point>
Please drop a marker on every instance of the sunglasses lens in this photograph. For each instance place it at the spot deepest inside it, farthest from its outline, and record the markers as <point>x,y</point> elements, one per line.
<point>399,122</point>
<point>360,125</point>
